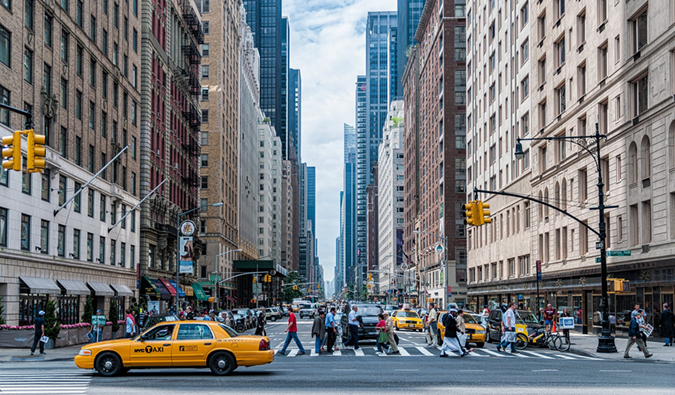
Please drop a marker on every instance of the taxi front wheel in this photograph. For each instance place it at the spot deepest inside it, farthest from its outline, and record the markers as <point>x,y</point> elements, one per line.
<point>221,364</point>
<point>109,365</point>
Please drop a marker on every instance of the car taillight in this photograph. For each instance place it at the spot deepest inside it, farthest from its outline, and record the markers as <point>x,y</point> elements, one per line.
<point>264,345</point>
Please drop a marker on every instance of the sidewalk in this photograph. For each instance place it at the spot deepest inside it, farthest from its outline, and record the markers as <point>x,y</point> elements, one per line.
<point>588,344</point>
<point>23,354</point>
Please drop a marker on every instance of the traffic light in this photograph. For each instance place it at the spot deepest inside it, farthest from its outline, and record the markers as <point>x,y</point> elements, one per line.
<point>471,213</point>
<point>618,285</point>
<point>36,152</point>
<point>295,288</point>
<point>483,214</point>
<point>267,278</point>
<point>370,276</point>
<point>11,156</point>
<point>255,279</point>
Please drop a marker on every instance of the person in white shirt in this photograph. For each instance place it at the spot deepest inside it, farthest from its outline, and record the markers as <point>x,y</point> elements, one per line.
<point>509,323</point>
<point>353,321</point>
<point>432,324</point>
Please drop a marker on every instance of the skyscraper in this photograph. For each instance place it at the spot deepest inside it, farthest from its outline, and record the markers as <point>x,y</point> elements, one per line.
<point>295,109</point>
<point>409,13</point>
<point>311,196</point>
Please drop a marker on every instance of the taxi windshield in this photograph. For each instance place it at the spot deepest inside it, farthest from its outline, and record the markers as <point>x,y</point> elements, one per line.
<point>527,317</point>
<point>408,314</point>
<point>469,319</point>
<point>231,332</point>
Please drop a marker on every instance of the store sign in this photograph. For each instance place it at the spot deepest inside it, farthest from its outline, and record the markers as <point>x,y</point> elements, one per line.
<point>186,254</point>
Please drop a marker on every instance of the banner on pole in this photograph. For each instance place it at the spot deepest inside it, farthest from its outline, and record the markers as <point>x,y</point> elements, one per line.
<point>186,254</point>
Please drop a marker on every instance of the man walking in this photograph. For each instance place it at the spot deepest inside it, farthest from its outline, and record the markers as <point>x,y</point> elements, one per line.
<point>39,332</point>
<point>292,330</point>
<point>509,323</point>
<point>319,331</point>
<point>432,324</point>
<point>634,337</point>
<point>331,330</point>
<point>97,330</point>
<point>389,327</point>
<point>130,325</point>
<point>549,317</point>
<point>450,340</point>
<point>666,322</point>
<point>353,321</point>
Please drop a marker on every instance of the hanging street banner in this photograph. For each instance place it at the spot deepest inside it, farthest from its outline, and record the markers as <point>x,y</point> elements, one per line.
<point>186,254</point>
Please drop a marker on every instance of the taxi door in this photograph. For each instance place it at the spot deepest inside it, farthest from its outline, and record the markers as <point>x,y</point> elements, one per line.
<point>153,348</point>
<point>193,343</point>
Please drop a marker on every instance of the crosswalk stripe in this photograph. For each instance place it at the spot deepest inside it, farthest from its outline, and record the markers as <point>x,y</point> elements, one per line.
<point>404,352</point>
<point>337,353</point>
<point>293,352</point>
<point>590,358</point>
<point>424,352</point>
<point>564,356</point>
<point>314,354</point>
<point>359,353</point>
<point>538,355</point>
<point>494,353</point>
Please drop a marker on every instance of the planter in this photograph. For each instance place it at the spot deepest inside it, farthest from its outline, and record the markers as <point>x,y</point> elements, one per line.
<point>50,344</point>
<point>16,339</point>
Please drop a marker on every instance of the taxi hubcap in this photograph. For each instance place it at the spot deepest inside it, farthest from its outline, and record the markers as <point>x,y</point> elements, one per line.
<point>222,364</point>
<point>108,364</point>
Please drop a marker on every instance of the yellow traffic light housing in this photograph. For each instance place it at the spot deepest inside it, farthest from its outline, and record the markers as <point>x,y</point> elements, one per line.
<point>255,279</point>
<point>483,214</point>
<point>36,152</point>
<point>470,216</point>
<point>370,276</point>
<point>11,156</point>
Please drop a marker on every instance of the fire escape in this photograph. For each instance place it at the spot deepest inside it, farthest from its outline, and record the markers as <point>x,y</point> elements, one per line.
<point>192,21</point>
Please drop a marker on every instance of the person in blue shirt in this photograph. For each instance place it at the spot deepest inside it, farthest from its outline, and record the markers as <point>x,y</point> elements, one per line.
<point>331,329</point>
<point>634,336</point>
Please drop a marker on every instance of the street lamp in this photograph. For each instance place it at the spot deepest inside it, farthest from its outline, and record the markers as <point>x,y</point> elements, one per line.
<point>445,266</point>
<point>606,340</point>
<point>178,242</point>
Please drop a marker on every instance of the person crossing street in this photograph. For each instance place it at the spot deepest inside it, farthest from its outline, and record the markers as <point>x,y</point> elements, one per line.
<point>354,324</point>
<point>635,337</point>
<point>331,329</point>
<point>389,325</point>
<point>319,331</point>
<point>432,325</point>
<point>292,330</point>
<point>450,340</point>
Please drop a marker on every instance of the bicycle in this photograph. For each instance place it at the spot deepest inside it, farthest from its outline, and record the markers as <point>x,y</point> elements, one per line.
<point>552,340</point>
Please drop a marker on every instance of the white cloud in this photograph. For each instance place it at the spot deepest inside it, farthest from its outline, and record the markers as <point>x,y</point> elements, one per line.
<point>328,46</point>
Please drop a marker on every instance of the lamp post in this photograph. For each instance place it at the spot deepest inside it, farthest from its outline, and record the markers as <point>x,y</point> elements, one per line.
<point>605,340</point>
<point>445,265</point>
<point>178,243</point>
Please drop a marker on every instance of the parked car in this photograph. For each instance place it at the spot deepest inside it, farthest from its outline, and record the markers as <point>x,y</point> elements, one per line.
<point>273,314</point>
<point>309,313</point>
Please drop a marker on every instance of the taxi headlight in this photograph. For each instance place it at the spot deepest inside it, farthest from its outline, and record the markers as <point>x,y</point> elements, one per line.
<point>85,352</point>
<point>480,332</point>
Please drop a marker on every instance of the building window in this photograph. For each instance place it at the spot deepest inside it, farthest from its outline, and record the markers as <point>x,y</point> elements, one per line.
<point>560,51</point>
<point>559,8</point>
<point>61,241</point>
<point>64,93</point>
<point>3,227</point>
<point>560,98</point>
<point>113,252</point>
<point>49,21</point>
<point>639,31</point>
<point>79,60</point>
<point>204,140</point>
<point>134,40</point>
<point>90,247</point>
<point>29,10</point>
<point>205,183</point>
<point>79,14</point>
<point>63,185</point>
<point>101,249</point>
<point>25,232</point>
<point>101,208</point>
<point>92,29</point>
<point>44,237</point>
<point>5,46</point>
<point>46,185</point>
<point>646,222</point>
<point>205,27</point>
<point>28,65</point>
<point>205,160</point>
<point>640,90</point>
<point>205,94</point>
<point>524,52</point>
<point>63,142</point>
<point>602,61</point>
<point>90,203</point>
<point>205,116</point>
<point>26,180</point>
<point>77,206</point>
<point>205,71</point>
<point>205,50</point>
<point>525,88</point>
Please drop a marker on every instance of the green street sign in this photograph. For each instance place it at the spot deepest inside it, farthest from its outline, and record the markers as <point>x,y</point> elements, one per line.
<point>597,260</point>
<point>619,253</point>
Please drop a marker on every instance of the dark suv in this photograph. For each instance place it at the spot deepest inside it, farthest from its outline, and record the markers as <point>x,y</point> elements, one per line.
<point>367,317</point>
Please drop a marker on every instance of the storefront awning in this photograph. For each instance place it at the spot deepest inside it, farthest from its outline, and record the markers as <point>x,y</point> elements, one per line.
<point>41,285</point>
<point>74,287</point>
<point>181,294</point>
<point>189,291</point>
<point>168,286</point>
<point>101,289</point>
<point>231,299</point>
<point>164,293</point>
<point>122,290</point>
<point>199,292</point>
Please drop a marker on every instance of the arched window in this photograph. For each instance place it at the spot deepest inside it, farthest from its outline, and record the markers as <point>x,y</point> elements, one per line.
<point>556,196</point>
<point>541,206</point>
<point>671,144</point>
<point>546,200</point>
<point>645,158</point>
<point>563,195</point>
<point>632,163</point>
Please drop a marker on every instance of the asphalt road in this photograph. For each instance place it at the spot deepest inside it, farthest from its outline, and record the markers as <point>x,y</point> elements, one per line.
<point>540,372</point>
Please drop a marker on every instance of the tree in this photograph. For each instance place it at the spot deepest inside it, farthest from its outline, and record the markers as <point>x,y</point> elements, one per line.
<point>2,312</point>
<point>52,324</point>
<point>88,310</point>
<point>290,293</point>
<point>114,315</point>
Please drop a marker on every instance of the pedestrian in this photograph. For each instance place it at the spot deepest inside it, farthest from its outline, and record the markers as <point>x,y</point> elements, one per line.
<point>260,324</point>
<point>353,320</point>
<point>641,319</point>
<point>486,311</point>
<point>432,324</point>
<point>450,340</point>
<point>331,329</point>
<point>634,337</point>
<point>382,337</point>
<point>565,313</point>
<point>130,325</point>
<point>636,311</point>
<point>389,325</point>
<point>666,320</point>
<point>461,328</point>
<point>292,330</point>
<point>189,315</point>
<point>319,331</point>
<point>509,323</point>
<point>96,330</point>
<point>549,317</point>
<point>39,324</point>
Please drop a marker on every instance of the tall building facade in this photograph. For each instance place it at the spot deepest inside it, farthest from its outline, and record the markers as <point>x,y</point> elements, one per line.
<point>311,196</point>
<point>288,214</point>
<point>499,109</point>
<point>372,250</point>
<point>391,184</point>
<point>435,154</point>
<point>295,110</point>
<point>76,69</point>
<point>269,193</point>
<point>409,12</point>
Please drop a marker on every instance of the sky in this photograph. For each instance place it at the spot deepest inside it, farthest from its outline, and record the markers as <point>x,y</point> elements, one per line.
<point>328,45</point>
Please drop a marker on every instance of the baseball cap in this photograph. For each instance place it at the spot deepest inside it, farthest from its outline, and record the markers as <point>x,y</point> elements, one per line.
<point>98,311</point>
<point>41,312</point>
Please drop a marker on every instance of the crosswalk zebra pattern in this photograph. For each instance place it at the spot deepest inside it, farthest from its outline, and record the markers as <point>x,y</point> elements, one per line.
<point>421,351</point>
<point>45,382</point>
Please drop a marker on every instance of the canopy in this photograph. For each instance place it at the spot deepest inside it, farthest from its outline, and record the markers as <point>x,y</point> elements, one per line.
<point>101,289</point>
<point>199,292</point>
<point>39,285</point>
<point>74,287</point>
<point>122,290</point>
<point>181,294</point>
<point>168,286</point>
<point>163,292</point>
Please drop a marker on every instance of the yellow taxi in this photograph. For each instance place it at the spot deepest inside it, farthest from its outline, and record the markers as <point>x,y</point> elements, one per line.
<point>178,344</point>
<point>407,319</point>
<point>475,333</point>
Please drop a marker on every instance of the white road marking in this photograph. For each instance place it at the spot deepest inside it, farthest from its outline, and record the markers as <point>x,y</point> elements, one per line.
<point>538,355</point>
<point>471,370</point>
<point>564,356</point>
<point>293,352</point>
<point>314,354</point>
<point>546,370</point>
<point>615,371</point>
<point>404,352</point>
<point>494,353</point>
<point>406,370</point>
<point>337,353</point>
<point>359,353</point>
<point>425,352</point>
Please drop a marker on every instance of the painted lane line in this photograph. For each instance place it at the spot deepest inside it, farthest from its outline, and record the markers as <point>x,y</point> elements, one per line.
<point>344,370</point>
<point>537,355</point>
<point>494,353</point>
<point>406,370</point>
<point>471,370</point>
<point>404,352</point>
<point>293,352</point>
<point>546,370</point>
<point>615,371</point>
<point>359,353</point>
<point>279,370</point>
<point>425,352</point>
<point>564,356</point>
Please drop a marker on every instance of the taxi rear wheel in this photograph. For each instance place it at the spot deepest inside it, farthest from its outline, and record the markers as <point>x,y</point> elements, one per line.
<point>222,364</point>
<point>109,364</point>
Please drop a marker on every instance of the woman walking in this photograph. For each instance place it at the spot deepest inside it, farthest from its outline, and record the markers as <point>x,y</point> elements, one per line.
<point>383,337</point>
<point>260,326</point>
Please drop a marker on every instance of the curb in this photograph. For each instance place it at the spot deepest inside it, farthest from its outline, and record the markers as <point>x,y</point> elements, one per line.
<point>35,359</point>
<point>578,351</point>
